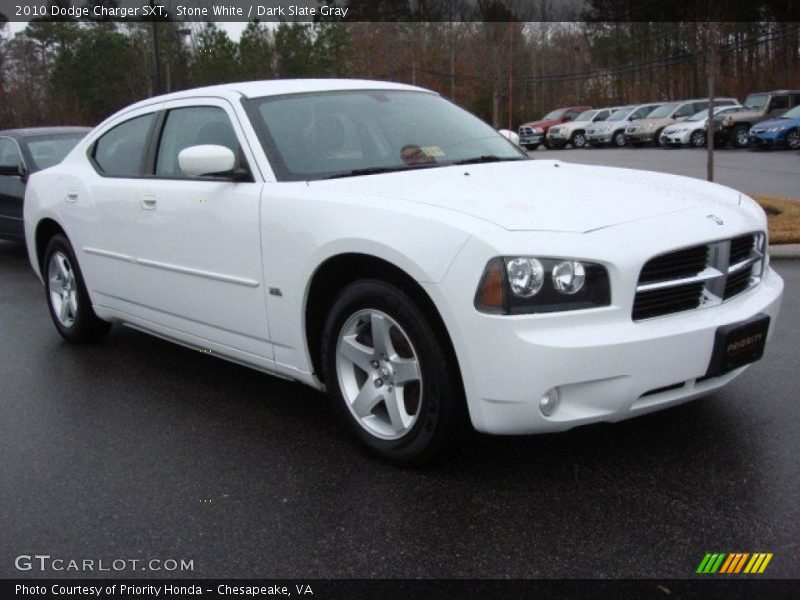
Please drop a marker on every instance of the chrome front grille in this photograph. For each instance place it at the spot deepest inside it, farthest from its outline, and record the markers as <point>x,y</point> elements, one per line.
<point>526,130</point>
<point>699,276</point>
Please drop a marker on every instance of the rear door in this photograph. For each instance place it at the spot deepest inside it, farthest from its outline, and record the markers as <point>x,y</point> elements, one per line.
<point>12,191</point>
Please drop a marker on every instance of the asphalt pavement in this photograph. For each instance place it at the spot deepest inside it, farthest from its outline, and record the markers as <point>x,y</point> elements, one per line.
<point>136,448</point>
<point>773,173</point>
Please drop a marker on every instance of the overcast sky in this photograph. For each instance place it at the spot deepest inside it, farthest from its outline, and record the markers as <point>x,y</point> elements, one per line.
<point>234,29</point>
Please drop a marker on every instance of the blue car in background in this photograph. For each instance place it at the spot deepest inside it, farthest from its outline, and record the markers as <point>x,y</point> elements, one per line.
<point>782,131</point>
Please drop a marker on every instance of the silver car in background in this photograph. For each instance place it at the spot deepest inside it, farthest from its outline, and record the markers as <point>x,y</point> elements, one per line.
<point>647,131</point>
<point>612,130</point>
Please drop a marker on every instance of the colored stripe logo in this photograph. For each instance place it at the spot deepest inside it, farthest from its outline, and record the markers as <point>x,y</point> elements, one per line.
<point>734,562</point>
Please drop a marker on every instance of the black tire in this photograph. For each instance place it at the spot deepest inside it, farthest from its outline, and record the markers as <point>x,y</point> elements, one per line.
<point>740,136</point>
<point>657,139</point>
<point>441,413</point>
<point>531,147</point>
<point>85,325</point>
<point>578,140</point>
<point>793,139</point>
<point>547,143</point>
<point>618,139</point>
<point>698,139</point>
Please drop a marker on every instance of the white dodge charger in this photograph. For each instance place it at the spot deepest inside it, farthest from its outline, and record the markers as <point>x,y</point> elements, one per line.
<point>376,241</point>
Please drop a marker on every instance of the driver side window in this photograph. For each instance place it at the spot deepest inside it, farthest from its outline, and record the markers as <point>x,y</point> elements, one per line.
<point>193,126</point>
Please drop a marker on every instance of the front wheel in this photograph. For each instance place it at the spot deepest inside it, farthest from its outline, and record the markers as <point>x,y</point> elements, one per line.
<point>578,139</point>
<point>698,138</point>
<point>67,297</point>
<point>619,139</point>
<point>740,136</point>
<point>390,377</point>
<point>531,147</point>
<point>793,139</point>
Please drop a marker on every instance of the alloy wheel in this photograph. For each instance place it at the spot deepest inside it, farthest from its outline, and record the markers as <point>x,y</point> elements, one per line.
<point>698,139</point>
<point>793,139</point>
<point>742,138</point>
<point>579,140</point>
<point>379,374</point>
<point>619,139</point>
<point>63,289</point>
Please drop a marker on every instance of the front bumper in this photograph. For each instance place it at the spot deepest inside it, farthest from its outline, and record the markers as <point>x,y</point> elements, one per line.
<point>606,366</point>
<point>766,140</point>
<point>530,140</point>
<point>680,138</point>
<point>639,137</point>
<point>598,138</point>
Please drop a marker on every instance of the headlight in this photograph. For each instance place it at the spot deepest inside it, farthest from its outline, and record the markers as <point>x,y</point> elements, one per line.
<point>538,130</point>
<point>774,129</point>
<point>526,284</point>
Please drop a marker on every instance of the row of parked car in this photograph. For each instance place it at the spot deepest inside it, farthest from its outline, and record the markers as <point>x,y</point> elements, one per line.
<point>765,119</point>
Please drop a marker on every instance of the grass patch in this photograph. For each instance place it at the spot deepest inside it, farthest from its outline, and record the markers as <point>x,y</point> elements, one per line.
<point>783,216</point>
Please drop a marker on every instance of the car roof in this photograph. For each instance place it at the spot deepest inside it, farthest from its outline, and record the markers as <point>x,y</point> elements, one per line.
<point>279,87</point>
<point>777,92</point>
<point>36,131</point>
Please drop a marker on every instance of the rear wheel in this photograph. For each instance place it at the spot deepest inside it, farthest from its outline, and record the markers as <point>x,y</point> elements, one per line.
<point>390,377</point>
<point>67,297</point>
<point>698,138</point>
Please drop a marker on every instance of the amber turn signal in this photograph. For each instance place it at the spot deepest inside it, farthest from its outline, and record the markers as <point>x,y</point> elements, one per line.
<point>491,292</point>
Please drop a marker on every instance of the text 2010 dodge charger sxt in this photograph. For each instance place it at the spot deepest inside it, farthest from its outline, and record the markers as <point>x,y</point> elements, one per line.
<point>371,239</point>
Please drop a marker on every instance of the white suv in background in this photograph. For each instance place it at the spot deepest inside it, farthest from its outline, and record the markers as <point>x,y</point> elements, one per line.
<point>369,239</point>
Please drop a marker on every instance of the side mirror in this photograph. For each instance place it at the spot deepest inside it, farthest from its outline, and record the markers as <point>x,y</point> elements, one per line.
<point>208,159</point>
<point>12,171</point>
<point>513,137</point>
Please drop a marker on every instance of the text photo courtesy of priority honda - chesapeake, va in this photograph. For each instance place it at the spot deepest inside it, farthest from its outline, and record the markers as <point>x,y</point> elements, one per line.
<point>462,299</point>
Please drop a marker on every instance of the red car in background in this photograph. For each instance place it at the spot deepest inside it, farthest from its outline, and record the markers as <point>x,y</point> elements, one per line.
<point>532,134</point>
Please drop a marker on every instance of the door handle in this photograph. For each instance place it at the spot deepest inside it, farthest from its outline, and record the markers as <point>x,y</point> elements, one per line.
<point>149,202</point>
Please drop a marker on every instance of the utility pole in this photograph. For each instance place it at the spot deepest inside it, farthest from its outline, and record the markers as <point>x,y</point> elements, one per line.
<point>510,78</point>
<point>156,54</point>
<point>711,68</point>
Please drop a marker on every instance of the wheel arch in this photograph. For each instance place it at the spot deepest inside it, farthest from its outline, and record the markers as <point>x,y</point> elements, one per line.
<point>46,228</point>
<point>339,270</point>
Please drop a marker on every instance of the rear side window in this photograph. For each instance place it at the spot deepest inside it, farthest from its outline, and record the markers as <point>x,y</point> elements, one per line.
<point>779,103</point>
<point>120,152</point>
<point>193,126</point>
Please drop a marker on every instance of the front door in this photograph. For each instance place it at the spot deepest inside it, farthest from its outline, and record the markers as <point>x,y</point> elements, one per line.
<point>12,192</point>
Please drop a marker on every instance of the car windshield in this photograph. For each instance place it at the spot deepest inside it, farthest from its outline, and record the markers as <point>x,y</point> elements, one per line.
<point>792,114</point>
<point>756,100</point>
<point>586,115</point>
<point>554,114</point>
<point>619,115</point>
<point>662,111</point>
<point>49,150</point>
<point>361,132</point>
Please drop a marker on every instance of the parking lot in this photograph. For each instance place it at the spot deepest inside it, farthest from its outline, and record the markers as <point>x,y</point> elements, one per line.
<point>772,173</point>
<point>138,448</point>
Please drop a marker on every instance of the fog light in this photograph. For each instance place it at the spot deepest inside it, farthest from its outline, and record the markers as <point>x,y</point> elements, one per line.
<point>549,402</point>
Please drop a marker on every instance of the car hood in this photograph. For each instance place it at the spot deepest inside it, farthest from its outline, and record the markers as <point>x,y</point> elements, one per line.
<point>684,126</point>
<point>542,195</point>
<point>653,123</point>
<point>548,123</point>
<point>777,123</point>
<point>576,124</point>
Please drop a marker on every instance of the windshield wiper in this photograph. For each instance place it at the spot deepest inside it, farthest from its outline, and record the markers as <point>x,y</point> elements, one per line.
<point>377,170</point>
<point>486,158</point>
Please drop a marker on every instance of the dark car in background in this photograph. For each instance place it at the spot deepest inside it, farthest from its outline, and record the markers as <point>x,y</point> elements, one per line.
<point>533,133</point>
<point>22,152</point>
